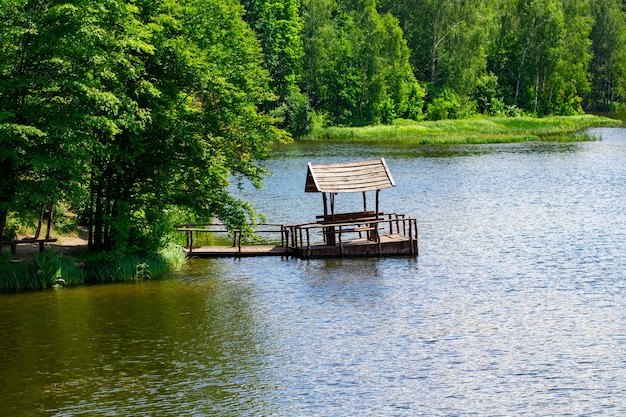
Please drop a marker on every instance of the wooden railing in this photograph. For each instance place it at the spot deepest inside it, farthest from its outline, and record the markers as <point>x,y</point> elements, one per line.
<point>302,235</point>
<point>220,228</point>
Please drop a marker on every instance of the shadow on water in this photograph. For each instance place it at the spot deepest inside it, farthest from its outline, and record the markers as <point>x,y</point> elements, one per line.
<point>617,115</point>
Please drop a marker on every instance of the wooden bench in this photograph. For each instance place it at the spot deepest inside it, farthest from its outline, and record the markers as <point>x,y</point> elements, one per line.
<point>346,217</point>
<point>25,241</point>
<point>360,217</point>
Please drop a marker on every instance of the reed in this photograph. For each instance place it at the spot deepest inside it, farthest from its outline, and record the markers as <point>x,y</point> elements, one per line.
<point>174,257</point>
<point>50,269</point>
<point>476,130</point>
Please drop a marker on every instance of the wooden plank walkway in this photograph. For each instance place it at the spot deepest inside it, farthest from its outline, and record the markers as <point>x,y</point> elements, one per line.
<point>317,240</point>
<point>233,251</point>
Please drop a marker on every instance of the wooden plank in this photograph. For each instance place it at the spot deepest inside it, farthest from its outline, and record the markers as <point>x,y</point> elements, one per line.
<point>25,241</point>
<point>233,251</point>
<point>389,245</point>
<point>359,176</point>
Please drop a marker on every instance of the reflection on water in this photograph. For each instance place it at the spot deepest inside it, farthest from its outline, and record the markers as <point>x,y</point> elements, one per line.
<point>515,306</point>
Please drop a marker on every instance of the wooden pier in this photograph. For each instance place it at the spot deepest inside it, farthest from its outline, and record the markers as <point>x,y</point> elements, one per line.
<point>219,231</point>
<point>236,252</point>
<point>389,234</point>
<point>360,233</point>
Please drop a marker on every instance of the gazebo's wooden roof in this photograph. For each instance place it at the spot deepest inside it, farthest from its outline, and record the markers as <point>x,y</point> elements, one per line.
<point>348,177</point>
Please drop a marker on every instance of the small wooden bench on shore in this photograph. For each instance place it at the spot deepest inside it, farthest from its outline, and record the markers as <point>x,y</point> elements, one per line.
<point>25,241</point>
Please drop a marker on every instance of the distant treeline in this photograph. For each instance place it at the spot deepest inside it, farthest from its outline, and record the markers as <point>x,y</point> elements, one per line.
<point>361,62</point>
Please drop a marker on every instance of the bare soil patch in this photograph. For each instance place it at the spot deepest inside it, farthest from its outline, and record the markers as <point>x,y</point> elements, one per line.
<point>67,245</point>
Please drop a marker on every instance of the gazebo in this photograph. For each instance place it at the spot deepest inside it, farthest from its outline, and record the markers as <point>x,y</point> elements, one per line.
<point>359,233</point>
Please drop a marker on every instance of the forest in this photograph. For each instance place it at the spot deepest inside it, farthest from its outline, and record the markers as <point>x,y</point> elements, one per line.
<point>363,62</point>
<point>136,114</point>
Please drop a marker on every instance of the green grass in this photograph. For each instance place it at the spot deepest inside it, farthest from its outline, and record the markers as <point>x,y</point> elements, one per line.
<point>52,270</point>
<point>476,130</point>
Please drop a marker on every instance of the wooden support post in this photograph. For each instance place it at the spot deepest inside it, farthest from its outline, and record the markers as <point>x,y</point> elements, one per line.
<point>411,238</point>
<point>308,242</point>
<point>340,241</point>
<point>364,202</point>
<point>377,194</point>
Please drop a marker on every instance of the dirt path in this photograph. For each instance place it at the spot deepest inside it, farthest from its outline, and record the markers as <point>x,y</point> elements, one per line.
<point>68,245</point>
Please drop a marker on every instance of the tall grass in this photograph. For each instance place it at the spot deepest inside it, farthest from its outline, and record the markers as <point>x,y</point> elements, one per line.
<point>476,130</point>
<point>111,267</point>
<point>50,269</point>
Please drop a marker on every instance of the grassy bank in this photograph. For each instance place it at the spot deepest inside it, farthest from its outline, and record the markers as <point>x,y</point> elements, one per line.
<point>53,269</point>
<point>478,130</point>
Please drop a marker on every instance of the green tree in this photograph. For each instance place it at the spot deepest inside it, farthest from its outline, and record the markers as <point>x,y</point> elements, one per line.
<point>541,54</point>
<point>42,119</point>
<point>571,78</point>
<point>357,64</point>
<point>447,39</point>
<point>608,67</point>
<point>278,25</point>
<point>201,88</point>
<point>135,109</point>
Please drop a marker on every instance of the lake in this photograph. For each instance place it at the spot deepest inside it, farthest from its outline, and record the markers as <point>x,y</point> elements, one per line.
<point>516,304</point>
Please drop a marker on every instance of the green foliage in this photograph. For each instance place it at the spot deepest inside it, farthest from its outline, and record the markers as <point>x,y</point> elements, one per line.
<point>357,69</point>
<point>47,270</point>
<point>142,272</point>
<point>10,229</point>
<point>173,256</point>
<point>278,25</point>
<point>474,130</point>
<point>487,95</point>
<point>293,112</point>
<point>608,65</point>
<point>448,105</point>
<point>51,270</point>
<point>18,277</point>
<point>49,267</point>
<point>127,109</point>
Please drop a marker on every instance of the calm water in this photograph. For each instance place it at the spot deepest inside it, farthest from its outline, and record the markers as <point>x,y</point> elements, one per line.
<point>515,306</point>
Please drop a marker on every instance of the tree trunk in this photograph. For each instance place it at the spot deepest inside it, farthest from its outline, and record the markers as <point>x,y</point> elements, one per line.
<point>3,223</point>
<point>519,75</point>
<point>50,214</point>
<point>40,220</point>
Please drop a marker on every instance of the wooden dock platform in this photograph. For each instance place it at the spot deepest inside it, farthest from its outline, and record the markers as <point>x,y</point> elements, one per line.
<point>234,251</point>
<point>356,233</point>
<point>387,245</point>
<point>390,235</point>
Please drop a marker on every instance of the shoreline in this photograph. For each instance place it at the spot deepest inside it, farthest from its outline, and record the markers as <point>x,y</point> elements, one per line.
<point>469,131</point>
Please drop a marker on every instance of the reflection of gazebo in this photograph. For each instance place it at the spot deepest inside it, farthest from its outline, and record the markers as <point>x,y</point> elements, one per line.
<point>348,177</point>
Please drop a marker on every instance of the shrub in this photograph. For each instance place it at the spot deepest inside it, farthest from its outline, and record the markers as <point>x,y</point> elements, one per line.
<point>49,267</point>
<point>448,105</point>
